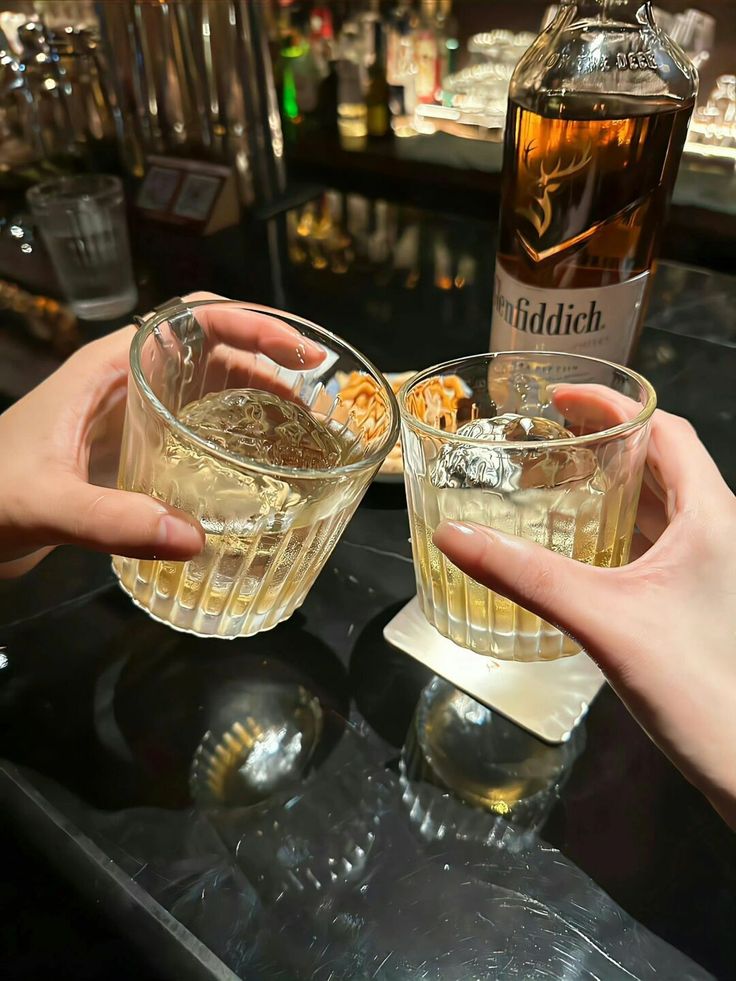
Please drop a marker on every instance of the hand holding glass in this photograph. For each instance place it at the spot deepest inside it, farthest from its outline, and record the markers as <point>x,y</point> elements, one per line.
<point>234,417</point>
<point>527,450</point>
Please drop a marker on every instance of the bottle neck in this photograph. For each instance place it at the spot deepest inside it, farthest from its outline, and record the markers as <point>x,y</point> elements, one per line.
<point>379,58</point>
<point>621,11</point>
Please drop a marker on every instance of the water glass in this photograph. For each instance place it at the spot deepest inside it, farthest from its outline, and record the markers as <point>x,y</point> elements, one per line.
<point>82,223</point>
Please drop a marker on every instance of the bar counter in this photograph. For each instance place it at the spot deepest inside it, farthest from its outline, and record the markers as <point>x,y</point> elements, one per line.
<point>103,711</point>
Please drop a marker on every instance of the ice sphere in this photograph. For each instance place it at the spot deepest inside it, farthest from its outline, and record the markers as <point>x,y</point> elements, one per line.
<point>507,469</point>
<point>264,428</point>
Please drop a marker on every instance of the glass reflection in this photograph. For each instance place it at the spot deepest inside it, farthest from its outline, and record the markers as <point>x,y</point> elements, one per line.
<point>399,245</point>
<point>266,748</point>
<point>458,750</point>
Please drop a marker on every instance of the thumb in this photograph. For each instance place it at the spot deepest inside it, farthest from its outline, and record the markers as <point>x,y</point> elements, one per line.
<point>574,596</point>
<point>122,523</point>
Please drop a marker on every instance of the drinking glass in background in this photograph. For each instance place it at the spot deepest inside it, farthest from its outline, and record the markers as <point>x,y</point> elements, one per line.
<point>713,128</point>
<point>83,225</point>
<point>521,443</point>
<point>266,457</point>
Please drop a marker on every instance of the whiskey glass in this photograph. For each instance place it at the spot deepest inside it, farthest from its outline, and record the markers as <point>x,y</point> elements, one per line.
<point>266,458</point>
<point>549,447</point>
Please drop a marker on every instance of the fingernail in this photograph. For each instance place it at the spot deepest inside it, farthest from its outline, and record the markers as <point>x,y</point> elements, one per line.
<point>178,534</point>
<point>461,528</point>
<point>453,535</point>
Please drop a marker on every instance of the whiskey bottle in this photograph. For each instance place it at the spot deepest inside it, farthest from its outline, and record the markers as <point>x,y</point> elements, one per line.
<point>599,107</point>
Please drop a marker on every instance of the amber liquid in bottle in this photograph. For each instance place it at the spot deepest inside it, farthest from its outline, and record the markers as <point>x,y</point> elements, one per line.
<point>584,200</point>
<point>598,114</point>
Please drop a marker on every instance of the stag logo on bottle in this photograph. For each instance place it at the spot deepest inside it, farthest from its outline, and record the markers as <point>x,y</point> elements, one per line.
<point>543,184</point>
<point>550,319</point>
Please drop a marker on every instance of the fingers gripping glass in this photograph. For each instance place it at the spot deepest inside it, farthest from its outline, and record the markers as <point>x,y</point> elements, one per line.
<point>234,417</point>
<point>521,443</point>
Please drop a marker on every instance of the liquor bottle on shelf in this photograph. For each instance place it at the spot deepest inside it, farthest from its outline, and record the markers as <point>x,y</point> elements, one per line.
<point>292,50</point>
<point>327,98</point>
<point>367,19</point>
<point>322,36</point>
<point>400,68</point>
<point>377,96</point>
<point>427,54</point>
<point>598,112</point>
<point>351,88</point>
<point>324,51</point>
<point>397,25</point>
<point>300,72</point>
<point>447,33</point>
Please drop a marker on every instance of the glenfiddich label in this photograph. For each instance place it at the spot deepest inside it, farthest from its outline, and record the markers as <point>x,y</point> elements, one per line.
<point>597,322</point>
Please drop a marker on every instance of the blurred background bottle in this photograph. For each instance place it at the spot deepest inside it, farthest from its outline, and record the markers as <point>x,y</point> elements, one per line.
<point>377,97</point>
<point>427,53</point>
<point>598,113</point>
<point>449,48</point>
<point>303,66</point>
<point>352,111</point>
<point>400,68</point>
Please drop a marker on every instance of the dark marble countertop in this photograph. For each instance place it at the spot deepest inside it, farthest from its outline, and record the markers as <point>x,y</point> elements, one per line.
<point>102,710</point>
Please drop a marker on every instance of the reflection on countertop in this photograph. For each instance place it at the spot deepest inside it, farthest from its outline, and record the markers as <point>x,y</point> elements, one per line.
<point>108,713</point>
<point>695,303</point>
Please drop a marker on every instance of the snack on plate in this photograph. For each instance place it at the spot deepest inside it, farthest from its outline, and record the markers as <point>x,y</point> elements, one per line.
<point>436,401</point>
<point>440,396</point>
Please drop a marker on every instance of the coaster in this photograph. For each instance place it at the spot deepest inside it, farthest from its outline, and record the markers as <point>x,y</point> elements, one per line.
<point>547,698</point>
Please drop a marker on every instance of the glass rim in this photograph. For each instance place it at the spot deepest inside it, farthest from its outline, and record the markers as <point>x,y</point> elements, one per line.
<point>149,325</point>
<point>106,184</point>
<point>613,432</point>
